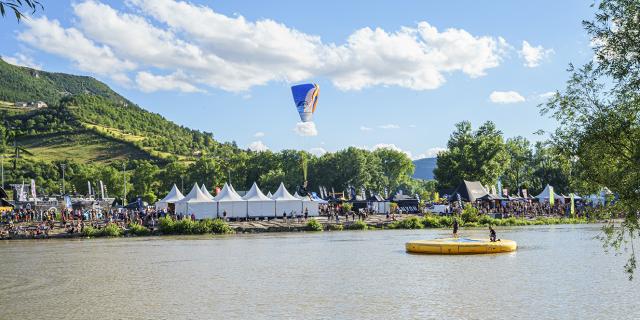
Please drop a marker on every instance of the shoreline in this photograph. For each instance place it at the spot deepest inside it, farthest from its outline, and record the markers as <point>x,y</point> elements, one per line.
<point>408,221</point>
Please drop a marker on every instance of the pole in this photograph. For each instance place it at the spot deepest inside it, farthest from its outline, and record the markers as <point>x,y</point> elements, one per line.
<point>63,166</point>
<point>182,183</point>
<point>124,179</point>
<point>2,165</point>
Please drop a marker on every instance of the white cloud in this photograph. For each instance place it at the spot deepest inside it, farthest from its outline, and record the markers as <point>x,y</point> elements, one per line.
<point>505,97</point>
<point>318,151</point>
<point>22,60</point>
<point>412,126</point>
<point>259,134</point>
<point>546,95</point>
<point>258,146</point>
<point>364,128</point>
<point>306,129</point>
<point>430,153</point>
<point>148,82</point>
<point>235,54</point>
<point>534,55</point>
<point>389,126</point>
<point>47,35</point>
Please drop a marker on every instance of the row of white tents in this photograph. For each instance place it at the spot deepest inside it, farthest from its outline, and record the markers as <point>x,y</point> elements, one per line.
<point>254,204</point>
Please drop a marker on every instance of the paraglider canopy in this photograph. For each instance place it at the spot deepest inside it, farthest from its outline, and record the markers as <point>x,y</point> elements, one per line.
<point>305,96</point>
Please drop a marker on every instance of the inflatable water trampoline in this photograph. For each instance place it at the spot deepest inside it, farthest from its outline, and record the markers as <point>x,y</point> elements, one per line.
<point>460,246</point>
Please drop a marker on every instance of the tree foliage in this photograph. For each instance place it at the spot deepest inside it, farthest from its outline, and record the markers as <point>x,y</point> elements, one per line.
<point>599,116</point>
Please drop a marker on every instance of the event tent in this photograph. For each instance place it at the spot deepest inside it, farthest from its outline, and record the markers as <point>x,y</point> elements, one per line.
<point>171,198</point>
<point>197,203</point>
<point>285,202</point>
<point>311,206</point>
<point>546,193</point>
<point>206,192</point>
<point>231,203</point>
<point>469,191</point>
<point>259,205</point>
<point>269,195</point>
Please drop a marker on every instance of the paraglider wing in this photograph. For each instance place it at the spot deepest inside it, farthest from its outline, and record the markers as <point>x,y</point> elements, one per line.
<point>305,96</point>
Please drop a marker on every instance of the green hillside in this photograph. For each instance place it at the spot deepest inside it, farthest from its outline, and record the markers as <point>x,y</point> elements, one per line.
<point>88,121</point>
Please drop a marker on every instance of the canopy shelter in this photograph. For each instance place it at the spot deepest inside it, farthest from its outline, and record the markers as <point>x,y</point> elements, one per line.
<point>546,194</point>
<point>231,203</point>
<point>469,191</point>
<point>169,201</point>
<point>196,203</point>
<point>269,195</point>
<point>310,206</point>
<point>378,204</point>
<point>285,202</point>
<point>259,205</point>
<point>406,203</point>
<point>206,192</point>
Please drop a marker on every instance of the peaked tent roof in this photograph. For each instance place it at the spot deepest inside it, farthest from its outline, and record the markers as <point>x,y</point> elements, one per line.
<point>206,192</point>
<point>270,195</point>
<point>469,191</point>
<point>254,194</point>
<point>195,195</point>
<point>296,195</point>
<point>227,194</point>
<point>546,192</point>
<point>173,196</point>
<point>283,194</point>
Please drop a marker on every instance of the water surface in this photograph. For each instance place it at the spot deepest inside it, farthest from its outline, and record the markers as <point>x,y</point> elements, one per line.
<point>557,272</point>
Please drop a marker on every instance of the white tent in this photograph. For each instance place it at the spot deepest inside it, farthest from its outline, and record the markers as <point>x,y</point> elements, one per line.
<point>196,203</point>
<point>171,198</point>
<point>285,202</point>
<point>206,192</point>
<point>546,193</point>
<point>269,195</point>
<point>231,203</point>
<point>312,206</point>
<point>259,205</point>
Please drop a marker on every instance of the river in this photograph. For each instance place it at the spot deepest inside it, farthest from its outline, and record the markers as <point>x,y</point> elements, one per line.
<point>558,272</point>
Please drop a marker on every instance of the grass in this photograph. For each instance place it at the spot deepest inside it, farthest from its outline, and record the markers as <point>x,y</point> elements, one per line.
<point>432,221</point>
<point>358,225</point>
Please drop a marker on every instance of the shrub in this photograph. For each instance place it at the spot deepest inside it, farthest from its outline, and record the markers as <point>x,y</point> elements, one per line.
<point>138,230</point>
<point>90,231</point>
<point>111,230</point>
<point>469,214</point>
<point>334,227</point>
<point>219,226</point>
<point>184,226</point>
<point>430,221</point>
<point>347,207</point>
<point>486,220</point>
<point>471,224</point>
<point>409,223</point>
<point>314,225</point>
<point>203,226</point>
<point>393,207</point>
<point>166,225</point>
<point>358,225</point>
<point>445,222</point>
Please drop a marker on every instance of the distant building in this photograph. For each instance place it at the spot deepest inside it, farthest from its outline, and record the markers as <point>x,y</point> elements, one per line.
<point>37,104</point>
<point>21,104</point>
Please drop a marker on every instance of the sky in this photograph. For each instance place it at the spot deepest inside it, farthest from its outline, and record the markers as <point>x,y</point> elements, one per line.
<point>392,74</point>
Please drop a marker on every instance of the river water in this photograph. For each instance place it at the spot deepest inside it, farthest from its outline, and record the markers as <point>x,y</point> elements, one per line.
<point>558,272</point>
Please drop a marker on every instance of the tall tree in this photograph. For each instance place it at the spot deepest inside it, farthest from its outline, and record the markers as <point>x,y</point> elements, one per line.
<point>599,116</point>
<point>519,173</point>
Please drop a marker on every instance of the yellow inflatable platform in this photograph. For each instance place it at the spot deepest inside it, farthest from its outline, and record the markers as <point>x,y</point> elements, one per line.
<point>460,246</point>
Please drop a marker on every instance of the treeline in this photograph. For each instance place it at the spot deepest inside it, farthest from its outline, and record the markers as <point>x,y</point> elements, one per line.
<point>484,155</point>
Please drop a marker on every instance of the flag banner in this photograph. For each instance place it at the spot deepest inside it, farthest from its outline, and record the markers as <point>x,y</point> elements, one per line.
<point>33,189</point>
<point>101,189</point>
<point>551,196</point>
<point>524,193</point>
<point>89,188</point>
<point>573,206</point>
<point>505,192</point>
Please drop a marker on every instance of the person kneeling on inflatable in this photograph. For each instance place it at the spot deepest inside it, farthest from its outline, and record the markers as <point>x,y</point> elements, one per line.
<point>492,235</point>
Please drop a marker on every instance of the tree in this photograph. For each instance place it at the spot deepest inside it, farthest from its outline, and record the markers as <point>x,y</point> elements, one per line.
<point>396,167</point>
<point>478,156</point>
<point>18,6</point>
<point>599,116</point>
<point>519,173</point>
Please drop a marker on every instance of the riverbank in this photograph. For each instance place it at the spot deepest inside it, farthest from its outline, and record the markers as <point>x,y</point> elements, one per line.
<point>317,224</point>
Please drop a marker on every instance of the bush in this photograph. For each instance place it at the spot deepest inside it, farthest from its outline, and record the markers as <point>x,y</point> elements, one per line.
<point>409,223</point>
<point>166,225</point>
<point>184,226</point>
<point>358,225</point>
<point>219,226</point>
<point>334,227</point>
<point>486,220</point>
<point>138,230</point>
<point>445,222</point>
<point>430,221</point>
<point>314,225</point>
<point>347,207</point>
<point>90,232</point>
<point>111,230</point>
<point>469,214</point>
<point>471,224</point>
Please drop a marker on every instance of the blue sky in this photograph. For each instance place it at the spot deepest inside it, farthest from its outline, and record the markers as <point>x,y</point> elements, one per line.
<point>398,74</point>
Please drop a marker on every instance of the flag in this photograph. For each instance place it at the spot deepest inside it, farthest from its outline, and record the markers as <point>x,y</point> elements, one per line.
<point>499,185</point>
<point>101,189</point>
<point>573,206</point>
<point>33,189</point>
<point>505,192</point>
<point>551,196</point>
<point>89,188</point>
<point>436,196</point>
<point>524,193</point>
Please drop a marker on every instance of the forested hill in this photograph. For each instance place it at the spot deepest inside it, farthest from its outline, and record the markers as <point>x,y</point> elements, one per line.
<point>424,168</point>
<point>87,120</point>
<point>26,84</point>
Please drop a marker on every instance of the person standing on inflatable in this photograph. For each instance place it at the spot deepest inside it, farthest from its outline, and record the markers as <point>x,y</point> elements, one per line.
<point>455,227</point>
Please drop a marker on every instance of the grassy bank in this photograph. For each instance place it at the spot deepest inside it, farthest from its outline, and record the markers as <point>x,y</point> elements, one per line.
<point>431,221</point>
<point>166,226</point>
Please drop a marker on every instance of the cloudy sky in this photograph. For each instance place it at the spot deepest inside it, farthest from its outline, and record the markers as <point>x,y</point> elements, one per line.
<point>395,74</point>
